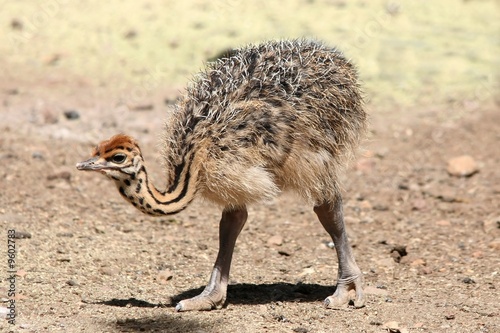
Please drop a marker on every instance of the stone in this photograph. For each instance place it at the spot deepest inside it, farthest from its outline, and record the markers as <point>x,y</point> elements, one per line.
<point>495,244</point>
<point>164,276</point>
<point>370,290</point>
<point>462,166</point>
<point>71,114</point>
<point>276,240</point>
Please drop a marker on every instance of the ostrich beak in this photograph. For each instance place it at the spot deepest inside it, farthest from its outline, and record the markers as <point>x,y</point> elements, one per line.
<point>90,165</point>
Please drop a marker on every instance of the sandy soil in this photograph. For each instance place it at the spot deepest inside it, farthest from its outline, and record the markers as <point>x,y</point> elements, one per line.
<point>427,242</point>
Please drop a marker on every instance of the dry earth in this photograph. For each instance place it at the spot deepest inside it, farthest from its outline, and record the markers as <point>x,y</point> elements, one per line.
<point>428,242</point>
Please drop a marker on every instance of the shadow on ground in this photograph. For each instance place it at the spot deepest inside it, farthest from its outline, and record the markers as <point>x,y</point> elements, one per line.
<point>245,293</point>
<point>130,302</point>
<point>161,323</point>
<point>242,293</point>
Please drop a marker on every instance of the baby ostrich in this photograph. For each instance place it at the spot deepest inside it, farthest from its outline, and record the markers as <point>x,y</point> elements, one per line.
<point>282,115</point>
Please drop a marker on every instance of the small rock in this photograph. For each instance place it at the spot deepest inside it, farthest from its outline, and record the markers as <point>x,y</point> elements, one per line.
<point>396,256</point>
<point>462,166</point>
<point>491,224</point>
<point>370,290</point>
<point>392,326</point>
<point>403,186</point>
<point>495,244</point>
<point>130,34</point>
<point>37,155</point>
<point>418,262</point>
<point>72,283</point>
<point>21,273</point>
<point>448,195</point>
<point>419,204</point>
<point>424,270</point>
<point>380,207</point>
<point>16,24</point>
<point>107,271</point>
<point>164,276</point>
<point>276,240</point>
<point>477,254</point>
<point>300,330</point>
<point>22,235</point>
<point>307,271</point>
<point>401,249</point>
<point>468,280</point>
<point>330,244</point>
<point>443,223</point>
<point>71,114</point>
<point>449,316</point>
<point>284,253</point>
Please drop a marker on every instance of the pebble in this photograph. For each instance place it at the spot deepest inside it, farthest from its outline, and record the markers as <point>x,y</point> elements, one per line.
<point>392,326</point>
<point>164,276</point>
<point>462,166</point>
<point>468,280</point>
<point>491,224</point>
<point>16,24</point>
<point>419,204</point>
<point>370,290</point>
<point>401,249</point>
<point>276,240</point>
<point>130,34</point>
<point>443,223</point>
<point>72,283</point>
<point>495,244</point>
<point>380,207</point>
<point>37,155</point>
<point>22,234</point>
<point>21,273</point>
<point>107,271</point>
<point>71,114</point>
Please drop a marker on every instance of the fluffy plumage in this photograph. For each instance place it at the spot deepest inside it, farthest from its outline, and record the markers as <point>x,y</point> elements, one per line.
<point>283,115</point>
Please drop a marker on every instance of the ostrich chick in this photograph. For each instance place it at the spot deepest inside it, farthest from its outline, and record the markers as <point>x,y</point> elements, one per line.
<point>279,116</point>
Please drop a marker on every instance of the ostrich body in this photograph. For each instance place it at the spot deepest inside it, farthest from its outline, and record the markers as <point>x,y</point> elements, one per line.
<point>279,116</point>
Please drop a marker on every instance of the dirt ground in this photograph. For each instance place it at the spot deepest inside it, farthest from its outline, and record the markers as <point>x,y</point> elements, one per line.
<point>427,242</point>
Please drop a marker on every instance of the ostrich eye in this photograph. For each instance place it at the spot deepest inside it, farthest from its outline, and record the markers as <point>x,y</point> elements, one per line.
<point>118,158</point>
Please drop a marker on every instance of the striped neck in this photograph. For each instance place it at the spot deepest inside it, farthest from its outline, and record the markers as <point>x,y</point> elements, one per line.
<point>143,195</point>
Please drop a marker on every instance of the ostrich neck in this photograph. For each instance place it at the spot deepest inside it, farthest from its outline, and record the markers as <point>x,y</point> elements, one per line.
<point>142,194</point>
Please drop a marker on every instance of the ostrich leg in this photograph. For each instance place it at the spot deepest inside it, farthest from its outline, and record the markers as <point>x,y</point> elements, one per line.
<point>349,275</point>
<point>214,295</point>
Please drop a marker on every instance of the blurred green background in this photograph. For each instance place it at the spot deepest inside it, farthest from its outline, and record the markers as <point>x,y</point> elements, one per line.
<point>409,53</point>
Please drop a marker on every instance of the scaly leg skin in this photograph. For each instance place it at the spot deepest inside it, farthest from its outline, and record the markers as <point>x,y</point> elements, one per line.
<point>349,275</point>
<point>214,295</point>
